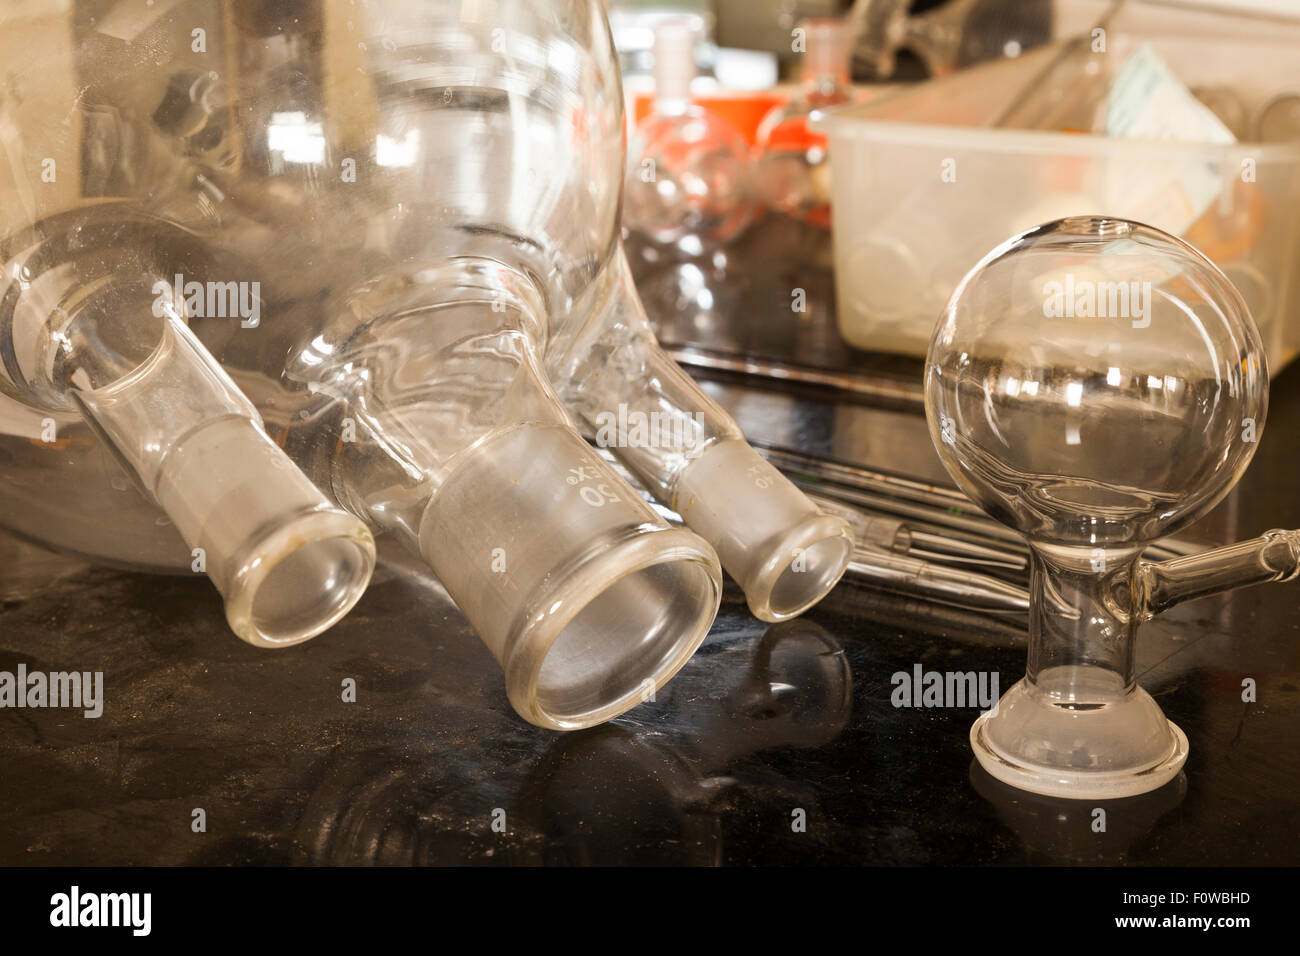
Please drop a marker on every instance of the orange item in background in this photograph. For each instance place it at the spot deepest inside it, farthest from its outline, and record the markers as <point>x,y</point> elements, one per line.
<point>742,110</point>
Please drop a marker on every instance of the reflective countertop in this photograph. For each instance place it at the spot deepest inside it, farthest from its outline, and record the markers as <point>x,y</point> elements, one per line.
<point>774,745</point>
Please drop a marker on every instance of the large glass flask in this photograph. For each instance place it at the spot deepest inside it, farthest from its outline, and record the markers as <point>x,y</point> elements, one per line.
<point>395,226</point>
<point>369,214</point>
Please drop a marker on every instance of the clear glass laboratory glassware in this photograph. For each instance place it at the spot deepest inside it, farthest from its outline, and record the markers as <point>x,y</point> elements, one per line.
<point>1095,384</point>
<point>92,337</point>
<point>588,599</point>
<point>689,178</point>
<point>490,218</point>
<point>793,164</point>
<point>687,451</point>
<point>958,34</point>
<point>415,191</point>
<point>631,398</point>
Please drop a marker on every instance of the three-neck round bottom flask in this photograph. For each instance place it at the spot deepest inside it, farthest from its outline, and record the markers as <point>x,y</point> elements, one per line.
<point>336,270</point>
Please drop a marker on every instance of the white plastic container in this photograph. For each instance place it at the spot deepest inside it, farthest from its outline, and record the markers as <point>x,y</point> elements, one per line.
<point>923,188</point>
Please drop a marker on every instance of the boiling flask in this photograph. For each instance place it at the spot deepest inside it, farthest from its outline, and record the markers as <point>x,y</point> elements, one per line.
<point>1095,384</point>
<point>414,189</point>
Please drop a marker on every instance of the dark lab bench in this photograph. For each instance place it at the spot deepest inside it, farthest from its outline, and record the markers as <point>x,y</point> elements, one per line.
<point>767,727</point>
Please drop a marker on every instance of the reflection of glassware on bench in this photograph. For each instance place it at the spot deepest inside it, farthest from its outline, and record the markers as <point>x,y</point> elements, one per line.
<point>786,689</point>
<point>1058,831</point>
<point>789,689</point>
<point>1095,383</point>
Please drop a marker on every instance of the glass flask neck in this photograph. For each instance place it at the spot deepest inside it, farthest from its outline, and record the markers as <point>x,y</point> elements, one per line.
<point>99,331</point>
<point>400,359</point>
<point>824,70</point>
<point>674,68</point>
<point>1079,725</point>
<point>1082,633</point>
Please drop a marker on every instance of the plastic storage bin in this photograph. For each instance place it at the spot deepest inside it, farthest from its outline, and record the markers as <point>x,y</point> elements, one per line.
<point>923,187</point>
